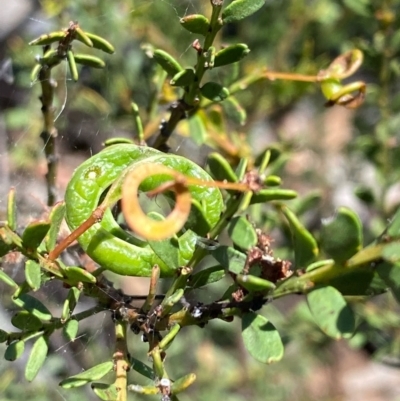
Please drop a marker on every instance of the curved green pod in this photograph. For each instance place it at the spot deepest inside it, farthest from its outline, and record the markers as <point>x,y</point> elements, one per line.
<point>106,242</point>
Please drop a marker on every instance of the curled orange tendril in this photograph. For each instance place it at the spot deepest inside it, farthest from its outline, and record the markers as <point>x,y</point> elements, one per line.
<point>158,230</point>
<point>137,219</point>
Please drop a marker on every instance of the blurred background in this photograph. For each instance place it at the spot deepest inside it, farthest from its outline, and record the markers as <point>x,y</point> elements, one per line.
<point>332,156</point>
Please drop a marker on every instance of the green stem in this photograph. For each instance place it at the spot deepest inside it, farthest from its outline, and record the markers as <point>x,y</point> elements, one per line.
<point>49,132</point>
<point>301,284</point>
<point>190,99</point>
<point>121,360</point>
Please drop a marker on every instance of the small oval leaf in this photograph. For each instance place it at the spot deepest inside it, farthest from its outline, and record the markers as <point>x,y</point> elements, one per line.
<point>231,54</point>
<point>56,217</point>
<point>234,110</point>
<point>77,274</point>
<point>100,43</point>
<point>242,233</point>
<point>33,274</point>
<point>390,274</point>
<point>197,129</point>
<point>24,321</point>
<point>214,91</point>
<point>305,245</point>
<point>254,283</point>
<point>3,336</point>
<point>7,279</point>
<point>92,374</point>
<point>167,62</point>
<point>196,23</point>
<point>142,368</point>
<point>11,210</point>
<point>106,392</point>
<point>34,234</point>
<point>331,312</point>
<point>33,306</point>
<point>341,236</point>
<point>206,276</point>
<point>182,383</point>
<point>70,303</point>
<point>36,358</point>
<point>220,168</point>
<point>240,9</point>
<point>230,258</point>
<point>268,195</point>
<point>90,61</point>
<point>70,329</point>
<point>261,338</point>
<point>183,78</point>
<point>14,351</point>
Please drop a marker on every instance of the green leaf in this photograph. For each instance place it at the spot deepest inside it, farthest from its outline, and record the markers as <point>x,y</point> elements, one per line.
<point>231,54</point>
<point>56,217</point>
<point>90,61</point>
<point>255,284</point>
<point>197,220</point>
<point>182,383</point>
<point>33,306</point>
<point>272,181</point>
<point>4,247</point>
<point>167,62</point>
<point>142,368</point>
<point>241,168</point>
<point>230,258</point>
<point>306,203</point>
<point>331,312</point>
<point>365,194</point>
<point>70,303</point>
<point>363,281</point>
<point>24,321</point>
<point>214,91</point>
<point>7,279</point>
<point>394,228</point>
<point>390,273</point>
<point>391,252</point>
<point>242,233</point>
<point>187,244</point>
<point>268,195</point>
<point>197,129</point>
<point>77,274</point>
<point>305,245</point>
<point>220,168</point>
<point>106,392</point>
<point>261,339</point>
<point>12,210</point>
<point>3,336</point>
<point>36,358</point>
<point>341,236</point>
<point>33,274</point>
<point>240,9</point>
<point>320,263</point>
<point>168,249</point>
<point>207,276</point>
<point>70,329</point>
<point>234,110</point>
<point>196,23</point>
<point>92,374</point>
<point>183,78</point>
<point>14,351</point>
<point>34,234</point>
